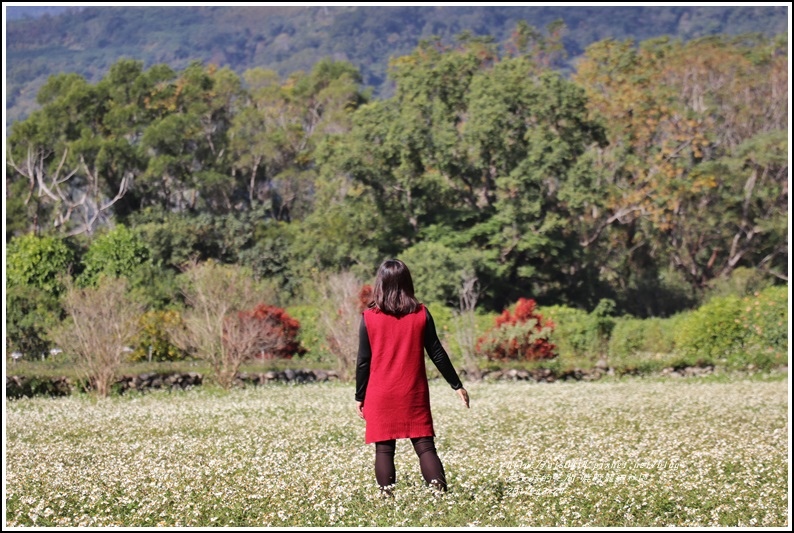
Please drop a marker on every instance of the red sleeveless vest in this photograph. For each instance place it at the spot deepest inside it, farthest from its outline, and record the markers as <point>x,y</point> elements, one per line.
<point>397,404</point>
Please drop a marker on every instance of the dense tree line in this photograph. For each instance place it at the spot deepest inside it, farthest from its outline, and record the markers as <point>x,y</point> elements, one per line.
<point>654,171</point>
<point>89,39</point>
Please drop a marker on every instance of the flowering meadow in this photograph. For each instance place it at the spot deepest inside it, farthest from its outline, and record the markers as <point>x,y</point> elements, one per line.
<point>635,452</point>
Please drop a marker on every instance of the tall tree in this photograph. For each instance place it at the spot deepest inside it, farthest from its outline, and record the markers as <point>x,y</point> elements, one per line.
<point>55,152</point>
<point>79,155</point>
<point>275,133</point>
<point>189,166</point>
<point>471,152</point>
<point>675,114</point>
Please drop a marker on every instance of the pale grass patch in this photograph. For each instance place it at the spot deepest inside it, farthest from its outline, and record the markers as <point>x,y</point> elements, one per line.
<point>633,453</point>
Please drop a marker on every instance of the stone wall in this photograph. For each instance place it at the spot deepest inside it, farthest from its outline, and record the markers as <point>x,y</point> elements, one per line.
<point>24,386</point>
<point>20,386</point>
<point>546,375</point>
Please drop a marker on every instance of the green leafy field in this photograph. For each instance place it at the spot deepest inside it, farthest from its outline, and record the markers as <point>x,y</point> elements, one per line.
<point>635,452</point>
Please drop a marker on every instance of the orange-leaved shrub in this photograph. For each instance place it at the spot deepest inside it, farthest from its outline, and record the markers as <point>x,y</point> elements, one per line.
<point>364,297</point>
<point>522,335</point>
<point>273,333</point>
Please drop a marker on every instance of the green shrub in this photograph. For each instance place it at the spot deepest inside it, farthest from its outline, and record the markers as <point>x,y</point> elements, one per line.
<point>660,334</point>
<point>442,317</point>
<point>269,256</point>
<point>581,335</point>
<point>310,337</point>
<point>173,239</point>
<point>436,271</point>
<point>572,333</point>
<point>30,313</point>
<point>35,273</point>
<point>713,333</point>
<point>737,332</point>
<point>643,344</point>
<point>741,282</point>
<point>628,337</point>
<point>154,287</point>
<point>153,341</point>
<point>118,253</point>
<point>446,324</point>
<point>632,336</point>
<point>765,321</point>
<point>38,262</point>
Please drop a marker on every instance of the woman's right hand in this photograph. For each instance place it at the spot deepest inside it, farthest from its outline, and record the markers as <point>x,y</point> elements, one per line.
<point>464,396</point>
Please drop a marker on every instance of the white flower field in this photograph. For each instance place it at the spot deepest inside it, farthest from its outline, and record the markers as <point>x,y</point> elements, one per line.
<point>625,453</point>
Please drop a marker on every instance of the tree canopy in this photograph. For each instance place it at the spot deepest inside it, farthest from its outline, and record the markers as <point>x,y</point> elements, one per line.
<point>654,170</point>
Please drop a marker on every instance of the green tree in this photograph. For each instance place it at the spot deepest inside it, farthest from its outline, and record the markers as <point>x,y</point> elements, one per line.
<point>738,213</point>
<point>117,253</point>
<point>39,262</point>
<point>692,176</point>
<point>274,135</point>
<point>30,314</point>
<point>130,90</point>
<point>36,272</point>
<point>438,272</point>
<point>189,166</point>
<point>79,154</point>
<point>472,152</point>
<point>545,133</point>
<point>345,232</point>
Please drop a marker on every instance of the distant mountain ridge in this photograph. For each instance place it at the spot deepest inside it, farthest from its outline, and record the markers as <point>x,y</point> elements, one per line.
<point>287,38</point>
<point>28,12</point>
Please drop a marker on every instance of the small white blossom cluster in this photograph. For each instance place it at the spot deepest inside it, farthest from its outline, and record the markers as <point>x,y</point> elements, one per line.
<point>627,454</point>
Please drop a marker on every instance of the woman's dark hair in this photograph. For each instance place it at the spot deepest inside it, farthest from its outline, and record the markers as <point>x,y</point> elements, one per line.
<point>393,292</point>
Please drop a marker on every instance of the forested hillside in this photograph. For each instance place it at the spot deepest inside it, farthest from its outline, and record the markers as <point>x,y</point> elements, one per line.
<point>651,174</point>
<point>87,41</point>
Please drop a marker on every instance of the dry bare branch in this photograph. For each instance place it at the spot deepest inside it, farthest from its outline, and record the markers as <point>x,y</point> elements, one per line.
<point>102,322</point>
<point>340,318</point>
<point>214,329</point>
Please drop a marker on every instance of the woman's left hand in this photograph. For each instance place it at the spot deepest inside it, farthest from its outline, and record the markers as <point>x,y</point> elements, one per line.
<point>464,396</point>
<point>360,409</point>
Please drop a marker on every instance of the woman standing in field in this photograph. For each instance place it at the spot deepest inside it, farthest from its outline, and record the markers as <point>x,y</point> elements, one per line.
<point>392,395</point>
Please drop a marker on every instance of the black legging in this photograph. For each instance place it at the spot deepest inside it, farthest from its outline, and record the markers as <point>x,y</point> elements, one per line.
<point>425,448</point>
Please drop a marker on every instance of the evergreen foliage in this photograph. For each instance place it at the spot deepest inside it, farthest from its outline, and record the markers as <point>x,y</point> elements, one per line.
<point>88,40</point>
<point>652,180</point>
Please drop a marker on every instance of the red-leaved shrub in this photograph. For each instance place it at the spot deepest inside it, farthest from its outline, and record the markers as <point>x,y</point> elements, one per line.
<point>273,333</point>
<point>520,336</point>
<point>364,297</point>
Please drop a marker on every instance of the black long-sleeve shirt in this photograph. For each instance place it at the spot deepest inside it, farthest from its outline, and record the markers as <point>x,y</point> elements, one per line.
<point>432,344</point>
